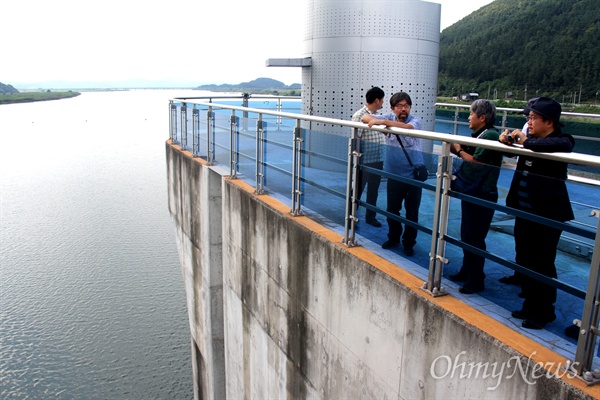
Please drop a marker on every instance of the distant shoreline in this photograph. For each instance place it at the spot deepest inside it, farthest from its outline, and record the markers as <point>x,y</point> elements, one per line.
<point>30,97</point>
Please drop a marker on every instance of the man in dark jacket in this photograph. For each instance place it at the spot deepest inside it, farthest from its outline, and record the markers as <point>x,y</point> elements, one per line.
<point>538,187</point>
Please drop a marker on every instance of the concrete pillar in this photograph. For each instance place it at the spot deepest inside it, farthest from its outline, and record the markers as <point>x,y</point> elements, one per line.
<point>354,45</point>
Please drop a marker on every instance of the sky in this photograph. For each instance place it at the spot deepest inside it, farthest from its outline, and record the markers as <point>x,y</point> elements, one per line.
<point>180,42</point>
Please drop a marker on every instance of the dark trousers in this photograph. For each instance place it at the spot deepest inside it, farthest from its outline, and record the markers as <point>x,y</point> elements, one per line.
<point>372,182</point>
<point>397,193</point>
<point>474,227</point>
<point>535,246</point>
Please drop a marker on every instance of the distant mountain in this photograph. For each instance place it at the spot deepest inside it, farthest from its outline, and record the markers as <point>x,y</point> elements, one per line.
<point>548,46</point>
<point>260,83</point>
<point>5,89</point>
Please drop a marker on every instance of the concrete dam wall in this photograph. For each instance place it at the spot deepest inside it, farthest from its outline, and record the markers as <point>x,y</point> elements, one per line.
<point>279,308</point>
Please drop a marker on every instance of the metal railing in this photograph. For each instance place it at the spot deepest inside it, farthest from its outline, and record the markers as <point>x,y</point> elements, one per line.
<point>504,113</point>
<point>235,153</point>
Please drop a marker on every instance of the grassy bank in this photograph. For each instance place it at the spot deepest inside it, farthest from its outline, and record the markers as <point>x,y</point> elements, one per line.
<point>29,97</point>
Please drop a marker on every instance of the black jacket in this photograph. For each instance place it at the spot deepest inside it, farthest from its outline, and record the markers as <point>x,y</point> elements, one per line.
<point>538,185</point>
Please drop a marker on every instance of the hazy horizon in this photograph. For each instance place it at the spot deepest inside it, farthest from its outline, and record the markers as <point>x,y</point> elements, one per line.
<point>158,44</point>
<point>126,84</point>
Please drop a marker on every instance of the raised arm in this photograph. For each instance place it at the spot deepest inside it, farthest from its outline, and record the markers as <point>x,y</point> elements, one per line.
<point>562,143</point>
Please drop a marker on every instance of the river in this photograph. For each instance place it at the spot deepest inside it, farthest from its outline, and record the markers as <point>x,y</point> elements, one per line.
<point>92,303</point>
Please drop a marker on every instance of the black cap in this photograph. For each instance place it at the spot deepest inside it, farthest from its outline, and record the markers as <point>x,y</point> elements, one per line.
<point>548,108</point>
<point>528,106</point>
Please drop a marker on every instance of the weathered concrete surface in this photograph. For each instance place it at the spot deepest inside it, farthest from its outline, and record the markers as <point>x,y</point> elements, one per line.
<point>304,317</point>
<point>195,206</point>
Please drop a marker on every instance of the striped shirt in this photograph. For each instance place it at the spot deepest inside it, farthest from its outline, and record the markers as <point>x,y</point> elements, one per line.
<point>371,142</point>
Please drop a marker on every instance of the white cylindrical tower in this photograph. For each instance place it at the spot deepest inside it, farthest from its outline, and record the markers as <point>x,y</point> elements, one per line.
<point>357,44</point>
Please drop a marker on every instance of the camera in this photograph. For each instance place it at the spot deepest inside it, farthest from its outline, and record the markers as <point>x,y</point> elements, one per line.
<point>510,139</point>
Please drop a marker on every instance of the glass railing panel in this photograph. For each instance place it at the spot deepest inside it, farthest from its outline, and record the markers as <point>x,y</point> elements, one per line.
<point>187,138</point>
<point>399,184</point>
<point>246,146</point>
<point>202,132</point>
<point>278,156</point>
<point>177,121</point>
<point>324,171</point>
<point>222,140</point>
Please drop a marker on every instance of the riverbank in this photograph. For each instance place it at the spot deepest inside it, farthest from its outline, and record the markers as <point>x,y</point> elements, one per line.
<point>29,97</point>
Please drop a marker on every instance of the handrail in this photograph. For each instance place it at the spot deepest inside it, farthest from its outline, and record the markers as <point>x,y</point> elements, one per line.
<point>518,110</point>
<point>571,158</point>
<point>589,321</point>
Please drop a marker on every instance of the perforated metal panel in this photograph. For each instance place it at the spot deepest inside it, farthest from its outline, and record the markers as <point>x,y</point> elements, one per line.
<point>357,44</point>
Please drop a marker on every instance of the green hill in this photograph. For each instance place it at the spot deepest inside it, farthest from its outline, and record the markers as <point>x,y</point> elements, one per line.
<point>548,47</point>
<point>7,89</point>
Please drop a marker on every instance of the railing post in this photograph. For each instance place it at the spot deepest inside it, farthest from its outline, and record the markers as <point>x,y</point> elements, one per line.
<point>173,123</point>
<point>279,116</point>
<point>504,120</point>
<point>210,136</point>
<point>183,116</point>
<point>233,153</point>
<point>589,322</point>
<point>456,120</point>
<point>296,168</point>
<point>245,98</point>
<point>351,190</point>
<point>260,154</point>
<point>437,254</point>
<point>195,132</point>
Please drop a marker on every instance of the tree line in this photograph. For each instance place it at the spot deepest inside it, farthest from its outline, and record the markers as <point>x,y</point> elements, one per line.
<point>523,49</point>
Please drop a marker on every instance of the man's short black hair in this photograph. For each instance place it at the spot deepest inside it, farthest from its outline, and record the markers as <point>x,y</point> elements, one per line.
<point>398,97</point>
<point>373,94</point>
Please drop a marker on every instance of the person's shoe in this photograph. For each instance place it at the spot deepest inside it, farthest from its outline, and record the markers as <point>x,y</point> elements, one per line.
<point>519,314</point>
<point>537,323</point>
<point>572,331</point>
<point>470,288</point>
<point>409,251</point>
<point>511,280</point>
<point>374,222</point>
<point>388,244</point>
<point>529,324</point>
<point>458,277</point>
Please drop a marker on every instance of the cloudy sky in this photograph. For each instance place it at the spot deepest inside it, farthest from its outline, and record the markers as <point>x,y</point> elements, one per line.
<point>182,41</point>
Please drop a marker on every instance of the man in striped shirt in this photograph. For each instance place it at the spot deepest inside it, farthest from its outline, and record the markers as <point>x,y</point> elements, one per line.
<point>372,149</point>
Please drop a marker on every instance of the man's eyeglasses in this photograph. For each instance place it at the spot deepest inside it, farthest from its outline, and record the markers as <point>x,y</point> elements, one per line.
<point>532,118</point>
<point>405,106</point>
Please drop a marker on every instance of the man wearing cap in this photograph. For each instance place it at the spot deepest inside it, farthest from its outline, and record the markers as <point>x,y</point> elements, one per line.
<point>517,277</point>
<point>538,187</point>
